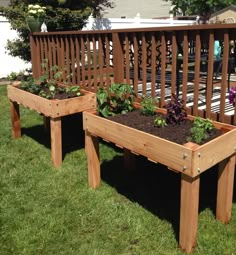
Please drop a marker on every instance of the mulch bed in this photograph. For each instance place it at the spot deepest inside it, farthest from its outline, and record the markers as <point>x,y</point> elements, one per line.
<point>173,132</point>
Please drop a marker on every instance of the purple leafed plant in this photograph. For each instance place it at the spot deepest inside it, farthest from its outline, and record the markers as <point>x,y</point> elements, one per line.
<point>176,113</point>
<point>232,94</point>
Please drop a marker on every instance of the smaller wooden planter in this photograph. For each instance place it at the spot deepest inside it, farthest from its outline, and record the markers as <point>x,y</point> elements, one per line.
<point>190,160</point>
<point>54,109</point>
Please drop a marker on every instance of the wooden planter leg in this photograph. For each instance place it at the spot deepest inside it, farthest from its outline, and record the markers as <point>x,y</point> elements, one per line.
<point>189,212</point>
<point>92,151</point>
<point>15,120</point>
<point>46,124</point>
<point>225,189</point>
<point>129,160</point>
<point>56,141</point>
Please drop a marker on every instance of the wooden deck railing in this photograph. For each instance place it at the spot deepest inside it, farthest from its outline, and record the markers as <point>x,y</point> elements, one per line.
<point>156,61</point>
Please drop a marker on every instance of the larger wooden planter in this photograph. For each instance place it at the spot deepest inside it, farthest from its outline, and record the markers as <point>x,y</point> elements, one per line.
<point>54,109</point>
<point>190,160</point>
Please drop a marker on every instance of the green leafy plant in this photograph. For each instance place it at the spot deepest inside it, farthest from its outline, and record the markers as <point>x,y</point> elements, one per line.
<point>12,76</point>
<point>160,121</point>
<point>200,129</point>
<point>73,89</point>
<point>148,106</point>
<point>117,98</point>
<point>48,87</point>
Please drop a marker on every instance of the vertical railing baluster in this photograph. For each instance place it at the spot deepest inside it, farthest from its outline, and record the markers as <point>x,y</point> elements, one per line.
<point>197,72</point>
<point>153,65</point>
<point>163,68</point>
<point>210,74</point>
<point>144,64</point>
<point>185,66</point>
<point>72,57</point>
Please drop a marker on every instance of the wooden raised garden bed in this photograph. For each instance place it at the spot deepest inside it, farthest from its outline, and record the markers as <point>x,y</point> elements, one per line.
<point>190,160</point>
<point>54,109</point>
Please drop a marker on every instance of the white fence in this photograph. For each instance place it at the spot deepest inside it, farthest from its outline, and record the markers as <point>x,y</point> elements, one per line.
<point>119,23</point>
<point>8,63</point>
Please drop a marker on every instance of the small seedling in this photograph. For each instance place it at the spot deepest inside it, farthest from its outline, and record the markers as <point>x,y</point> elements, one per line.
<point>160,122</point>
<point>148,106</point>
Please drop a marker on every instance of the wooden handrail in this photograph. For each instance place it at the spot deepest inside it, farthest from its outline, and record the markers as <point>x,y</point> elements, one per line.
<point>143,57</point>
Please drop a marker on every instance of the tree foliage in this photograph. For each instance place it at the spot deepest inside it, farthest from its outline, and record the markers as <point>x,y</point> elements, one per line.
<point>61,15</point>
<point>201,7</point>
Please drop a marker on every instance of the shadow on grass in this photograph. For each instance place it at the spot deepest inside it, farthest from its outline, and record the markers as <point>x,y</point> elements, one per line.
<point>72,134</point>
<point>157,189</point>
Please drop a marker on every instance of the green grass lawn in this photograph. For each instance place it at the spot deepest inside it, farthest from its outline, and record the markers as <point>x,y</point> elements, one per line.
<point>53,211</point>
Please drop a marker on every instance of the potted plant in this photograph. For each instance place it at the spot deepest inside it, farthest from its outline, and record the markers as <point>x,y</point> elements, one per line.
<point>189,159</point>
<point>35,17</point>
<point>53,99</point>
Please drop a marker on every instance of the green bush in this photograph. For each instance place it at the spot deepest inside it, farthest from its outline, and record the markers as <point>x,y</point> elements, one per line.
<point>61,15</point>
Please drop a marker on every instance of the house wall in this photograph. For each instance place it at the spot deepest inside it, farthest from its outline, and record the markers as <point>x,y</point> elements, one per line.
<point>228,16</point>
<point>147,8</point>
<point>8,63</point>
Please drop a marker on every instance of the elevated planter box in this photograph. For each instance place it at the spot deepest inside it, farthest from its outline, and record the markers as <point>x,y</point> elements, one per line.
<point>190,160</point>
<point>54,109</point>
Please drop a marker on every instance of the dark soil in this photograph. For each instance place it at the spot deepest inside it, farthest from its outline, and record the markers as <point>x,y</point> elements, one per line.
<point>173,132</point>
<point>60,94</point>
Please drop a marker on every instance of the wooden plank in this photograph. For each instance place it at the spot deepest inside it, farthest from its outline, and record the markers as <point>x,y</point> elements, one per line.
<point>185,67</point>
<point>212,153</point>
<point>152,147</point>
<point>144,64</point>
<point>78,60</point>
<point>108,57</point>
<point>29,100</point>
<point>174,51</point>
<point>197,74</point>
<point>210,74</point>
<point>136,63</point>
<point>118,58</point>
<point>92,152</point>
<point>52,108</point>
<point>224,79</point>
<point>189,212</point>
<point>153,65</point>
<point>72,47</point>
<point>56,141</point>
<point>73,105</point>
<point>163,46</point>
<point>225,189</point>
<point>15,120</point>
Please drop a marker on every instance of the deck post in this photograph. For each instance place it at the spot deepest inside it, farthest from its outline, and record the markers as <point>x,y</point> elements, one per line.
<point>225,189</point>
<point>189,212</point>
<point>92,152</point>
<point>118,59</point>
<point>15,120</point>
<point>56,141</point>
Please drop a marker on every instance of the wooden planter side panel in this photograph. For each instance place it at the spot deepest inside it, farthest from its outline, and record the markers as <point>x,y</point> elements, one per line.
<point>52,108</point>
<point>29,100</point>
<point>74,105</point>
<point>156,149</point>
<point>213,152</point>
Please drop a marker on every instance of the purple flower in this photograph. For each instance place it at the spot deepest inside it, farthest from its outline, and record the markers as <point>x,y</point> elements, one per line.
<point>232,93</point>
